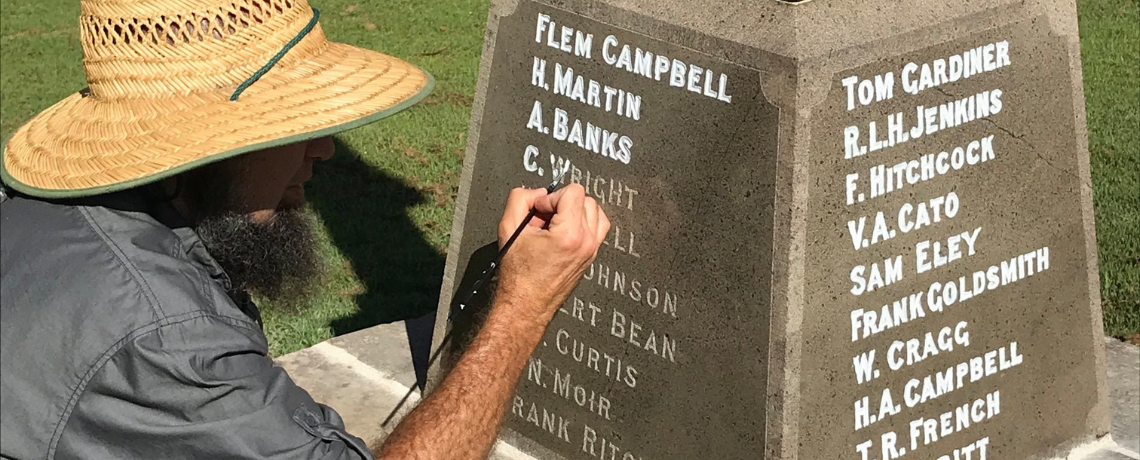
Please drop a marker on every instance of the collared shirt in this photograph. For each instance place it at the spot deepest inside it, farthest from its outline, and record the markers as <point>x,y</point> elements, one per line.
<point>120,340</point>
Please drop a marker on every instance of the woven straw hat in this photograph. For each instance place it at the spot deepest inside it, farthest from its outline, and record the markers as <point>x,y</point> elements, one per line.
<point>175,84</point>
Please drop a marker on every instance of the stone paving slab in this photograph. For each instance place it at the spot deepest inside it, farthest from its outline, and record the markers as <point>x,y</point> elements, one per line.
<point>384,347</point>
<point>366,374</point>
<point>1107,454</point>
<point>368,377</point>
<point>364,396</point>
<point>1124,392</point>
<point>1103,449</point>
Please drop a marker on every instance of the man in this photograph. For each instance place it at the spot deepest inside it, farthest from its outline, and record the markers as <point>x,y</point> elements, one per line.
<point>147,207</point>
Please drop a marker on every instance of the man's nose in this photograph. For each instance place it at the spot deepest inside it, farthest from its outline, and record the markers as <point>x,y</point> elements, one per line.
<point>321,149</point>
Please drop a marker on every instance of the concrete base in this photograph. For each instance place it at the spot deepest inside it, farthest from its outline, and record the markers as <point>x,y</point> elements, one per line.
<point>370,378</point>
<point>1124,391</point>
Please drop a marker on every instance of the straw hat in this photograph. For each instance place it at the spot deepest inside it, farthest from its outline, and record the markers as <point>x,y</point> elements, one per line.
<point>175,84</point>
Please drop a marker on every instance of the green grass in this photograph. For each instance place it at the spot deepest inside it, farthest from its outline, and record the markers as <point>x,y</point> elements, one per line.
<point>1110,49</point>
<point>386,198</point>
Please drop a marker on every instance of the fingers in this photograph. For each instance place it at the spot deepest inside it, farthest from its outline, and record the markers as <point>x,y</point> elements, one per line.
<point>602,226</point>
<point>597,224</point>
<point>570,204</point>
<point>519,203</point>
<point>570,211</point>
<point>566,205</point>
<point>591,210</point>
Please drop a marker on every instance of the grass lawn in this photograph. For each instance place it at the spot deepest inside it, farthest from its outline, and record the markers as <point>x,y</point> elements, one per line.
<point>386,199</point>
<point>1110,51</point>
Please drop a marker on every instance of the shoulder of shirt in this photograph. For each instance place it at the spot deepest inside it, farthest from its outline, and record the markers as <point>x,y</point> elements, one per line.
<point>92,281</point>
<point>161,264</point>
<point>108,263</point>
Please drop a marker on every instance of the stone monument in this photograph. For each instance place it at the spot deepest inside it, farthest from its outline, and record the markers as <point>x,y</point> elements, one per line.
<point>841,229</point>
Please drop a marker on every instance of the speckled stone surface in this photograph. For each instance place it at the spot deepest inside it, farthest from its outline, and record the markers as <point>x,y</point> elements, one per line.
<point>364,396</point>
<point>872,152</point>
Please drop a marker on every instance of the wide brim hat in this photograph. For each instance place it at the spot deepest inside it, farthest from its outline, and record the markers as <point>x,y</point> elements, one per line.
<point>176,84</point>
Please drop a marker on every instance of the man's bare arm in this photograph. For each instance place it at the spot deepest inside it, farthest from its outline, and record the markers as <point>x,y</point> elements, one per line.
<point>461,418</point>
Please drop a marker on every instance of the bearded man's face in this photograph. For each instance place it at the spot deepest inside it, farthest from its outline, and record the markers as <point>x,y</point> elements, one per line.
<point>250,212</point>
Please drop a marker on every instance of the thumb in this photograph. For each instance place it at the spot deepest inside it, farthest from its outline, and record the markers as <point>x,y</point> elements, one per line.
<point>519,203</point>
<point>564,205</point>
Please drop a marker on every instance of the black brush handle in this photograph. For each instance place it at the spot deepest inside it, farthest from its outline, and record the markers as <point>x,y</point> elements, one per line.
<point>490,270</point>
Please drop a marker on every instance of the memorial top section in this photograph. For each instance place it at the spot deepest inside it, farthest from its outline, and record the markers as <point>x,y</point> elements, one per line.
<point>806,29</point>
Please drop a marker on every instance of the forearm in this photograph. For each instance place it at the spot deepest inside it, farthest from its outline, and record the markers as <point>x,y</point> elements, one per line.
<point>460,419</point>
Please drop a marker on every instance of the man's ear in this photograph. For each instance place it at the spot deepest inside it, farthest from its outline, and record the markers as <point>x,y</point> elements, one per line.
<point>177,191</point>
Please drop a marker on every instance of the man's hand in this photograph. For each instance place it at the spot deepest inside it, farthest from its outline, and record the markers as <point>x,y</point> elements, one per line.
<point>460,419</point>
<point>549,257</point>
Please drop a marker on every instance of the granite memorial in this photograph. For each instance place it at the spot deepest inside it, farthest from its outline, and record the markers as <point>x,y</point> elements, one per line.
<point>841,230</point>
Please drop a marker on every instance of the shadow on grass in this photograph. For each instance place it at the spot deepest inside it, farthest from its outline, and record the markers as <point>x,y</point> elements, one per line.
<point>365,211</point>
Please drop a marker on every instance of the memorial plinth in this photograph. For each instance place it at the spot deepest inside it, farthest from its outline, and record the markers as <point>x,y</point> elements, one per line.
<point>841,230</point>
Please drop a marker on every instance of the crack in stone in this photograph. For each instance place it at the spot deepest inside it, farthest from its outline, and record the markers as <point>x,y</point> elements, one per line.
<point>1019,138</point>
<point>1032,147</point>
<point>944,93</point>
<point>1011,134</point>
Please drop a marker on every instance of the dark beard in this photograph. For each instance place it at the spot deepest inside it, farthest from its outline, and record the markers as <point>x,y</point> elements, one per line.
<point>276,260</point>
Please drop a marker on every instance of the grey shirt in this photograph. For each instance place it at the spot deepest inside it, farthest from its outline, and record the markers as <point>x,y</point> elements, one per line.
<point>120,340</point>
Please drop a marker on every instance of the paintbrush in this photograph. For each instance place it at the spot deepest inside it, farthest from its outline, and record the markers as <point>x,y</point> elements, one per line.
<point>490,270</point>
